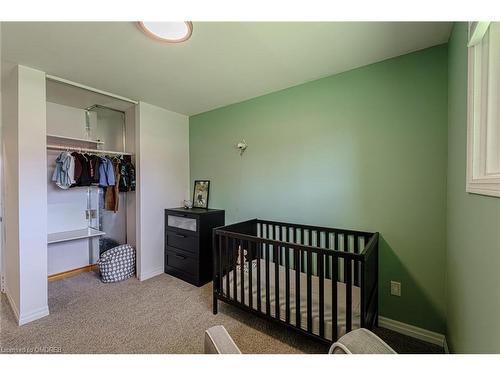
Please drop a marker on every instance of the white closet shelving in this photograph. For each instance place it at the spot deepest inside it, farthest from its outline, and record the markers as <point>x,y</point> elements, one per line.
<point>97,142</point>
<point>73,235</point>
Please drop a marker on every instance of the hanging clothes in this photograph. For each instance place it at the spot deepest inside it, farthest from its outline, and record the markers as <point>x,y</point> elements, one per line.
<point>78,169</point>
<point>124,184</point>
<point>112,198</point>
<point>63,174</point>
<point>82,170</point>
<point>106,173</point>
<point>94,164</point>
<point>127,174</point>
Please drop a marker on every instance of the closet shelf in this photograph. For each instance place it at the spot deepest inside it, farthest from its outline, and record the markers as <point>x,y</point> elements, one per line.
<point>73,235</point>
<point>97,142</point>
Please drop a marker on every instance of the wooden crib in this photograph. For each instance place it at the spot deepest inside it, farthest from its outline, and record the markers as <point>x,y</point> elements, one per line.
<point>322,282</point>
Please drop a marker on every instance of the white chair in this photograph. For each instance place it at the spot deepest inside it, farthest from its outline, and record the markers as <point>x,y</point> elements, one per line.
<point>359,341</point>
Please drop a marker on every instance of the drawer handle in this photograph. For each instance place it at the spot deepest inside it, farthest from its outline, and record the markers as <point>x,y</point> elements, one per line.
<point>179,256</point>
<point>179,235</point>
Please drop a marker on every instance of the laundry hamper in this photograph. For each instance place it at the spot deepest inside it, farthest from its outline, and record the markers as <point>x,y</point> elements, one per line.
<point>117,264</point>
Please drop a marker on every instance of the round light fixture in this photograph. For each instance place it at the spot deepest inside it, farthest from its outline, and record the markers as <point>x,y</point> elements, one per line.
<point>169,32</point>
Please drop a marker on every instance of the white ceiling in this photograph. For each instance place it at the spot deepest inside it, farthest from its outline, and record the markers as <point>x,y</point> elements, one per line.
<point>222,63</point>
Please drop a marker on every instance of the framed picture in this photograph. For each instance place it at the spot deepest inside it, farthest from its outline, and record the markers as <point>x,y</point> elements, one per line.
<point>200,194</point>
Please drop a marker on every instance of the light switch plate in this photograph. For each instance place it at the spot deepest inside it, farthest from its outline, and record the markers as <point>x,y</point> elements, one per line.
<point>395,288</point>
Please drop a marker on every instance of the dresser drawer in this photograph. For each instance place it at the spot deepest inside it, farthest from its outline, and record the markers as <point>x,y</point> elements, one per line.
<point>182,241</point>
<point>185,223</point>
<point>181,262</point>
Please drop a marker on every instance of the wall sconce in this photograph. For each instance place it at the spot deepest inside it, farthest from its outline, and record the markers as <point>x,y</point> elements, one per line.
<point>242,146</point>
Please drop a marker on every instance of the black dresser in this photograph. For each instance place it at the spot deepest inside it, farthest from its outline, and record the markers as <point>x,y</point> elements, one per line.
<point>188,243</point>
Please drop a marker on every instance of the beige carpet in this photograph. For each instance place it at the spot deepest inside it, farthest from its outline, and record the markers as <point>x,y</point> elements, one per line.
<point>159,315</point>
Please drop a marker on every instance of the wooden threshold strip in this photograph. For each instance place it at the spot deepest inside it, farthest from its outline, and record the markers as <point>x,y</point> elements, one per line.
<point>62,275</point>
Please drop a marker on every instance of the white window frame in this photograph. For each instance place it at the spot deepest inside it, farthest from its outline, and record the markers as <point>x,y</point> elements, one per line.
<point>482,145</point>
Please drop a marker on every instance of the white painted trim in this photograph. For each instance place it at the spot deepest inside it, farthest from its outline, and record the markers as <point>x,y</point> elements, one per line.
<point>13,306</point>
<point>478,180</point>
<point>412,331</point>
<point>29,317</point>
<point>151,273</point>
<point>477,31</point>
<point>33,315</point>
<point>79,85</point>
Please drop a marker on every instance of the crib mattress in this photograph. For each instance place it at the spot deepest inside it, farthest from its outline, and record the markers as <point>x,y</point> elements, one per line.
<point>341,297</point>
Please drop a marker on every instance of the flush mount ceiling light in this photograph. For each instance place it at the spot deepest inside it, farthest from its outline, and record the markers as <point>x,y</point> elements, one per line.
<point>169,32</point>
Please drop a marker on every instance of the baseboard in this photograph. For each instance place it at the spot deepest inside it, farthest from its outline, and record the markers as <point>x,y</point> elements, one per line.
<point>76,271</point>
<point>13,306</point>
<point>150,273</point>
<point>33,315</point>
<point>29,317</point>
<point>412,331</point>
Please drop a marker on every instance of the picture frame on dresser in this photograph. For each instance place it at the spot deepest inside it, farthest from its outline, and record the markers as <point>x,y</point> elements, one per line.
<point>201,191</point>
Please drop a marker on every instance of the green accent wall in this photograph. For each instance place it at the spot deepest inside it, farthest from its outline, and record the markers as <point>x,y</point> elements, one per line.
<point>473,254</point>
<point>365,149</point>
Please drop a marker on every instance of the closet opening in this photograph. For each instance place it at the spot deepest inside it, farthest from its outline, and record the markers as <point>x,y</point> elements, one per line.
<point>92,136</point>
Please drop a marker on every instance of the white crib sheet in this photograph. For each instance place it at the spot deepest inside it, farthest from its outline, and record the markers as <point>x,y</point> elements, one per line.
<point>341,297</point>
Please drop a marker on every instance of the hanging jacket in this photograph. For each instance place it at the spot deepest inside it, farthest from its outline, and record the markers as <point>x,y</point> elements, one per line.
<point>65,166</point>
<point>84,179</point>
<point>71,170</point>
<point>127,174</point>
<point>112,196</point>
<point>94,166</point>
<point>124,184</point>
<point>106,173</point>
<point>78,169</point>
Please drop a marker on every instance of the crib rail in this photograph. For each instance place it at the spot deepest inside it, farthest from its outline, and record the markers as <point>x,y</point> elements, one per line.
<point>257,248</point>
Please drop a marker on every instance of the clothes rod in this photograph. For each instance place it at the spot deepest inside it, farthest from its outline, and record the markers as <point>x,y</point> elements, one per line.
<point>71,83</point>
<point>86,150</point>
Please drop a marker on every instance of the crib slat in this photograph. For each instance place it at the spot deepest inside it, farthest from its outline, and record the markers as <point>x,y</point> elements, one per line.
<point>278,238</point>
<point>348,285</point>
<point>335,270</point>
<point>327,246</point>
<point>309,291</point>
<point>356,263</point>
<point>303,255</point>
<point>228,258</point>
<point>321,295</point>
<point>268,301</point>
<point>218,263</point>
<point>337,247</point>
<point>220,270</point>
<point>297,286</point>
<point>250,269</point>
<point>242,271</point>
<point>234,248</point>
<point>276,282</point>
<point>287,284</point>
<point>259,257</point>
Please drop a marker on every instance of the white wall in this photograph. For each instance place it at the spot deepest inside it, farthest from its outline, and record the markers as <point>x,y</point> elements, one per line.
<point>162,153</point>
<point>66,208</point>
<point>2,237</point>
<point>130,118</point>
<point>26,191</point>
